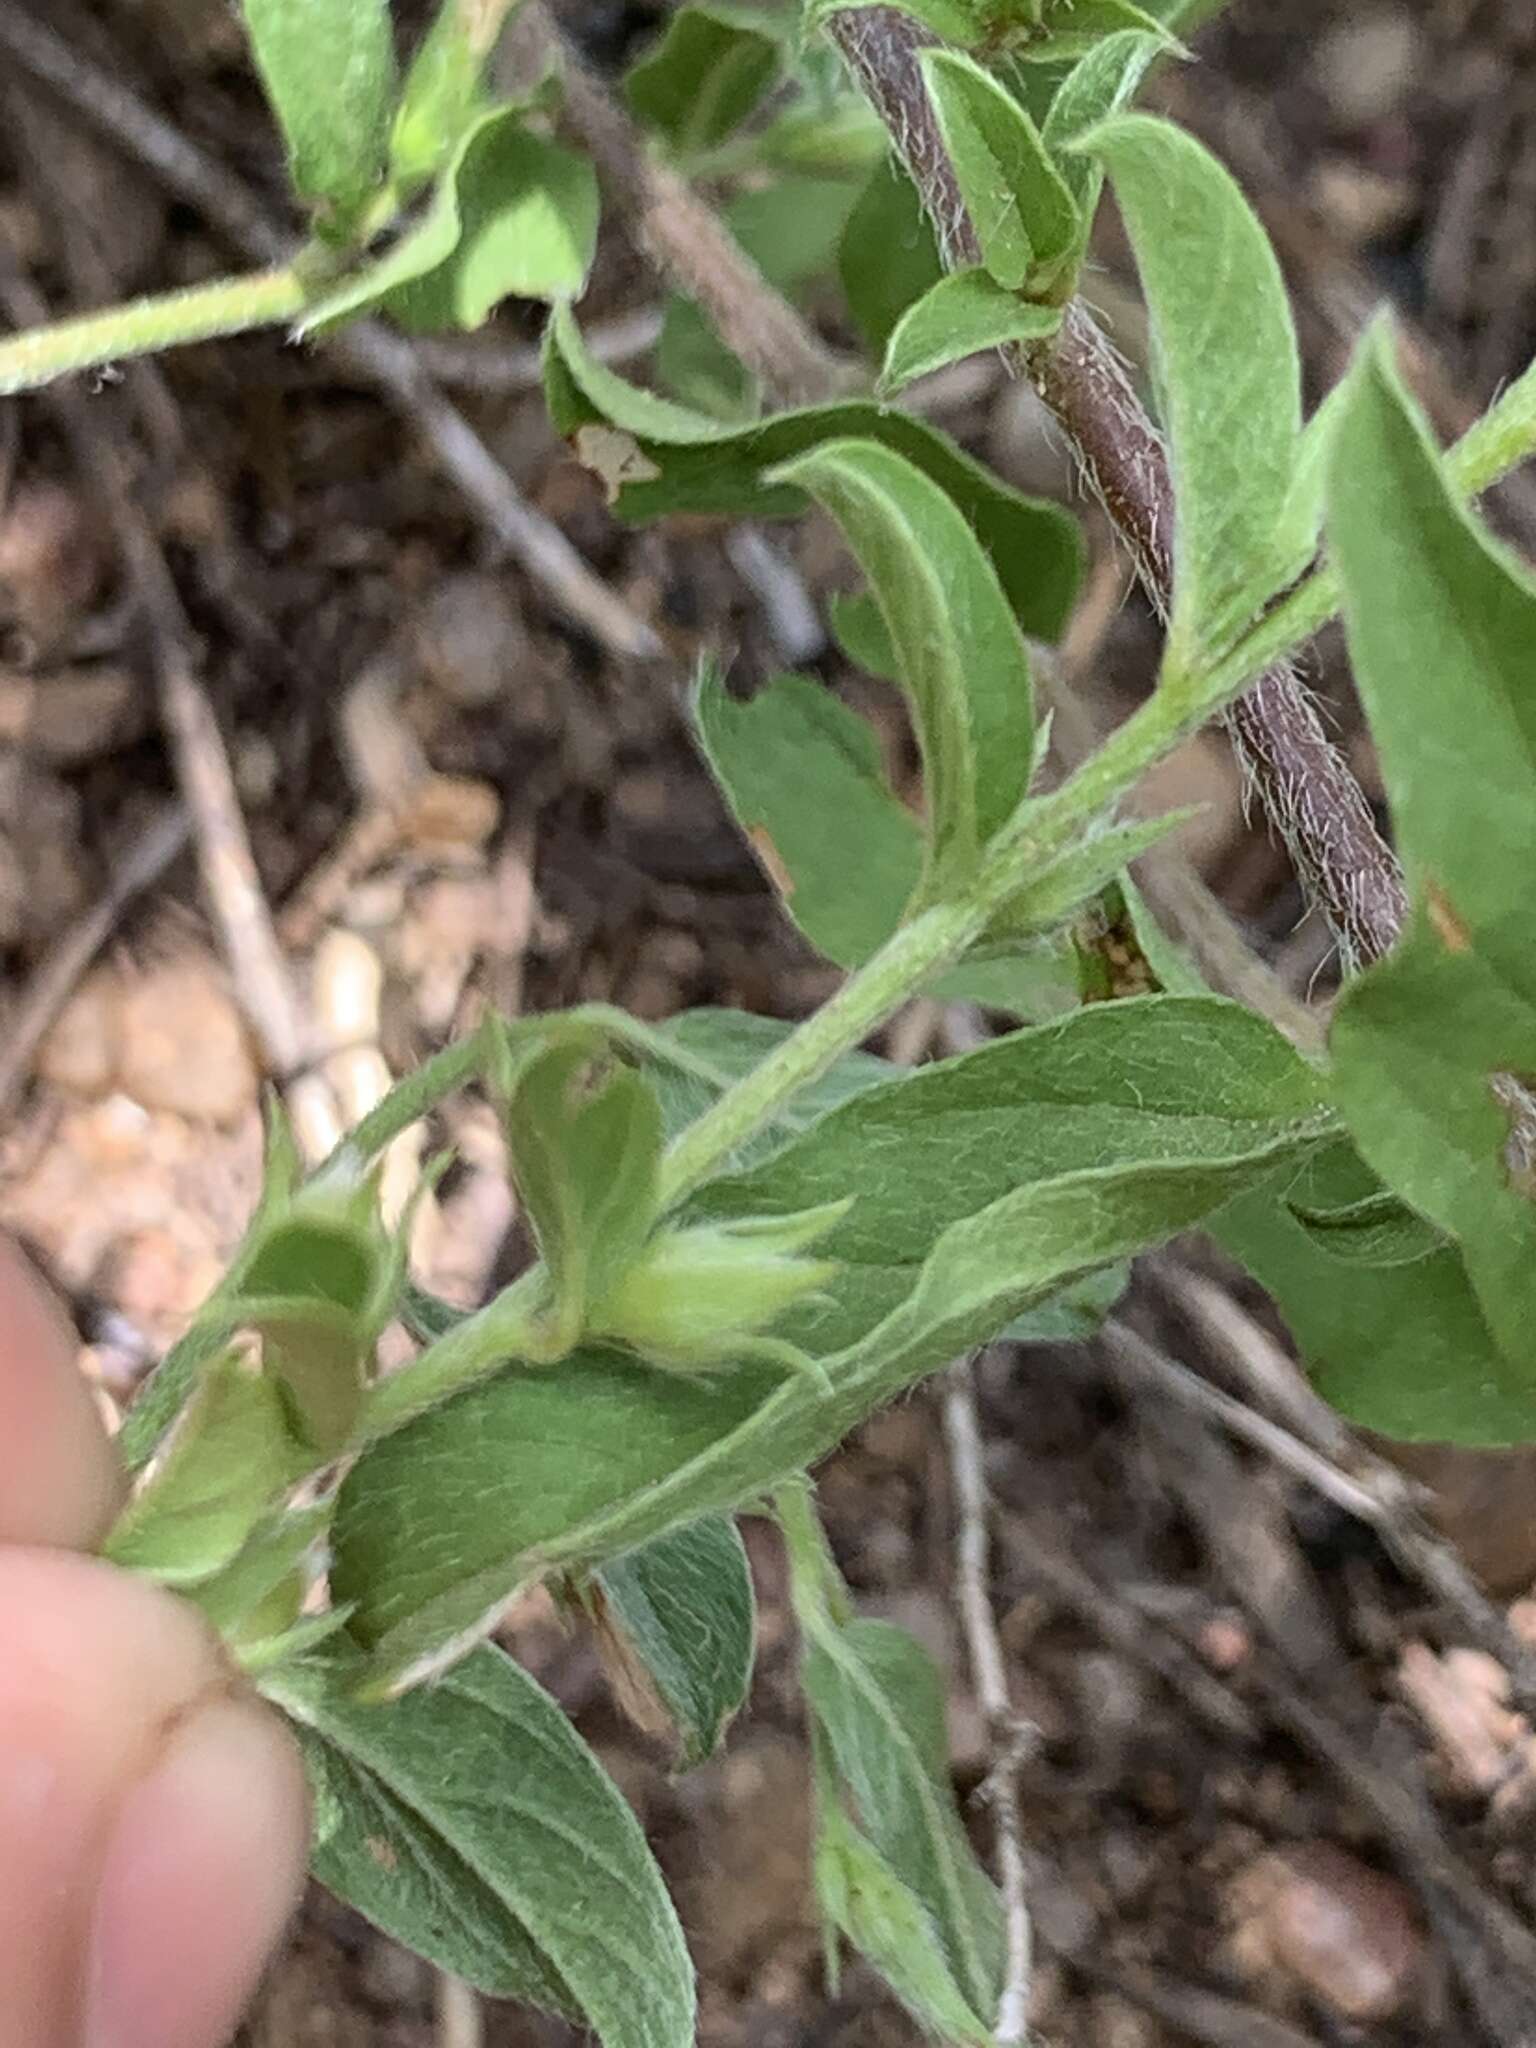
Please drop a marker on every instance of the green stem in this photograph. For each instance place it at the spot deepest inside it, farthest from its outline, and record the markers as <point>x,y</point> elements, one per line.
<point>911,956</point>
<point>230,305</point>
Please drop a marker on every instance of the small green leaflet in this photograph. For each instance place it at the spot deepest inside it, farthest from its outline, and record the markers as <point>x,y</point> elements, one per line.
<point>473,1824</point>
<point>1228,371</point>
<point>985,1183</point>
<point>511,216</point>
<point>680,1615</point>
<point>1103,83</point>
<point>710,69</point>
<point>803,775</point>
<point>442,87</point>
<point>328,67</point>
<point>1025,217</point>
<point>1039,31</point>
<point>692,463</point>
<point>958,317</point>
<point>960,653</point>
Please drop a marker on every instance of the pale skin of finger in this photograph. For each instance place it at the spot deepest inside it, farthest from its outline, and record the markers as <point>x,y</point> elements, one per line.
<point>153,1816</point>
<point>59,1479</point>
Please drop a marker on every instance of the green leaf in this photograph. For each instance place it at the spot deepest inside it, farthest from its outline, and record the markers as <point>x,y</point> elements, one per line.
<point>682,1615</point>
<point>1227,366</point>
<point>511,216</point>
<point>802,773</point>
<point>960,653</point>
<point>328,67</point>
<point>885,1920</point>
<point>227,1462</point>
<point>887,257</point>
<point>442,88</point>
<point>711,68</point>
<point>692,463</point>
<point>984,1183</point>
<point>1025,217</point>
<point>1378,1230</point>
<point>1074,31</point>
<point>958,317</point>
<point>1062,888</point>
<point>1103,83</point>
<point>860,631</point>
<point>1441,622</point>
<point>586,1146</point>
<point>268,1566</point>
<point>1401,1348</point>
<point>879,1703</point>
<point>473,1824</point>
<point>1415,1043</point>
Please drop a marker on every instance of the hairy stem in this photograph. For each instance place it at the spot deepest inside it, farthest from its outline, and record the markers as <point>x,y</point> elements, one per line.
<point>1305,784</point>
<point>37,355</point>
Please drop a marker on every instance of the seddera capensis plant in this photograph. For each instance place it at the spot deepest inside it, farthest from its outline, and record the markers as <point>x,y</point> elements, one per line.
<point>750,1236</point>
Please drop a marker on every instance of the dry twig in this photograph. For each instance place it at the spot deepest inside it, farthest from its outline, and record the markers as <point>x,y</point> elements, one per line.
<point>1009,1735</point>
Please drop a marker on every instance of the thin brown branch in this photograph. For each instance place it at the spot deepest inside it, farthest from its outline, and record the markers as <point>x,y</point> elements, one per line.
<point>1306,786</point>
<point>1008,1734</point>
<point>691,246</point>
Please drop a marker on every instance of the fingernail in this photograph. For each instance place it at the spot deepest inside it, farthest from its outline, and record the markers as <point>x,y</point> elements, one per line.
<point>203,1868</point>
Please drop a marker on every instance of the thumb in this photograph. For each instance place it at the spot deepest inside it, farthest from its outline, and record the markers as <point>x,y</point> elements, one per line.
<point>152,1818</point>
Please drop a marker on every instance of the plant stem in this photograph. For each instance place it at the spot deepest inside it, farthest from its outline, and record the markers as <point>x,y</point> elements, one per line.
<point>229,305</point>
<point>911,956</point>
<point>1305,783</point>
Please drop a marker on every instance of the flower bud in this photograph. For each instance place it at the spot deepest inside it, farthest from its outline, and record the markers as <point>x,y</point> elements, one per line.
<point>701,1295</point>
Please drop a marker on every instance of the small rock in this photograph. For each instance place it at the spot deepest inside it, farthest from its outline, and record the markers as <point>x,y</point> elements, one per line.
<point>184,1047</point>
<point>1343,1933</point>
<point>447,815</point>
<point>1362,205</point>
<point>1366,63</point>
<point>75,715</point>
<point>1463,1699</point>
<point>471,640</point>
<point>80,1052</point>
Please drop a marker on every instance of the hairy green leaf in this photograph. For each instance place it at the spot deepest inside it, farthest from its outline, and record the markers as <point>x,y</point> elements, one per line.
<point>1441,622</point>
<point>983,1183</point>
<point>1103,84</point>
<point>688,462</point>
<point>1225,355</point>
<point>1023,211</point>
<point>473,1824</point>
<point>960,653</point>
<point>712,66</point>
<point>883,1918</point>
<point>328,67</point>
<point>879,1703</point>
<point>681,1613</point>
<point>959,316</point>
